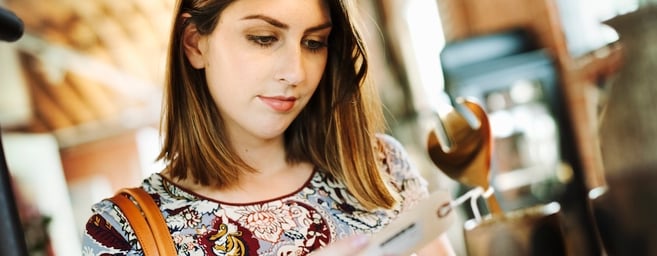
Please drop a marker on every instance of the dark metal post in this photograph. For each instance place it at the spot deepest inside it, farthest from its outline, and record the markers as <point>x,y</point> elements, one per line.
<point>12,238</point>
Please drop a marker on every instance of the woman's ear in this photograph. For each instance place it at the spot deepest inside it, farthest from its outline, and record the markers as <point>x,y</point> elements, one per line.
<point>192,44</point>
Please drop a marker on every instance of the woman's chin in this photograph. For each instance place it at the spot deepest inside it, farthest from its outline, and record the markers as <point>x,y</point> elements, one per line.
<point>271,133</point>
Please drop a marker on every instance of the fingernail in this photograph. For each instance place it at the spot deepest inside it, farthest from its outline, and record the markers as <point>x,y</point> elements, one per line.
<point>360,241</point>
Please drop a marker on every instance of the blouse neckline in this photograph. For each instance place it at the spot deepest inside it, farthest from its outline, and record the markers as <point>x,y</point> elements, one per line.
<point>191,195</point>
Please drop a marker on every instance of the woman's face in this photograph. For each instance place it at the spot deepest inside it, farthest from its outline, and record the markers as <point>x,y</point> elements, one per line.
<point>263,62</point>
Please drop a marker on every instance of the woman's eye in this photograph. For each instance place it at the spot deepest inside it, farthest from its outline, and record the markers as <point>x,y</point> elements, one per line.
<point>314,45</point>
<point>262,40</point>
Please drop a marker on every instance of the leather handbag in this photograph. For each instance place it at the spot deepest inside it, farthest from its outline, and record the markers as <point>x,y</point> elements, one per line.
<point>146,220</point>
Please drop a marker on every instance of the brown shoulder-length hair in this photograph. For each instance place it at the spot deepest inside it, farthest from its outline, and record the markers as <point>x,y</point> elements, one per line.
<point>335,131</point>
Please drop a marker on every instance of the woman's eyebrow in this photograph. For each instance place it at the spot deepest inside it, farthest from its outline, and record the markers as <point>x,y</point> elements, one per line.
<point>326,25</point>
<point>270,20</point>
<point>279,24</point>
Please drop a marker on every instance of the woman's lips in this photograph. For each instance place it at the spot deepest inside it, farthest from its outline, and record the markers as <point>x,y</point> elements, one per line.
<point>280,104</point>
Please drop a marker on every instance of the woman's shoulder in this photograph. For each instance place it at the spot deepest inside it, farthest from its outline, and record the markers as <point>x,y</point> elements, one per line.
<point>110,212</point>
<point>391,148</point>
<point>154,185</point>
<point>405,179</point>
<point>394,157</point>
<point>108,230</point>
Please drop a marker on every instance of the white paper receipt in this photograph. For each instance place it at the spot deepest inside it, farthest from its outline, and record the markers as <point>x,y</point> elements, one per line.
<point>414,228</point>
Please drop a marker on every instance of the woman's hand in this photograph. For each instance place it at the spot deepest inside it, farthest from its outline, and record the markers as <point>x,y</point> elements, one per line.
<point>345,247</point>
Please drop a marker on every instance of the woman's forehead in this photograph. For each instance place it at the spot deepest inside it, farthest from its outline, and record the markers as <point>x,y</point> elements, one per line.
<point>290,12</point>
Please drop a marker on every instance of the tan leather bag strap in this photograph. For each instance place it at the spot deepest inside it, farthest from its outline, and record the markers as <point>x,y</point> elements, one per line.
<point>146,220</point>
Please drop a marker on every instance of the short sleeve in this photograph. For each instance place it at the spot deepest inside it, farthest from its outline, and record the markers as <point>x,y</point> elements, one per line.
<point>405,178</point>
<point>107,232</point>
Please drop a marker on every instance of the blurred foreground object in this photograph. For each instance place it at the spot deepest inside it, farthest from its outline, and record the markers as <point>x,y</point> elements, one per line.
<point>12,240</point>
<point>15,104</point>
<point>11,27</point>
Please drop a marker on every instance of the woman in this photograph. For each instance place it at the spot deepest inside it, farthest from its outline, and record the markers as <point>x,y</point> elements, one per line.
<point>273,138</point>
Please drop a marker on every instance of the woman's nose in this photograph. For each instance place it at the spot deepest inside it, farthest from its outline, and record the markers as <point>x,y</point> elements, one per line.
<point>291,70</point>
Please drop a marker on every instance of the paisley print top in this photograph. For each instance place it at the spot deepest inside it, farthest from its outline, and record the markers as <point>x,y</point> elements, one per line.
<point>317,214</point>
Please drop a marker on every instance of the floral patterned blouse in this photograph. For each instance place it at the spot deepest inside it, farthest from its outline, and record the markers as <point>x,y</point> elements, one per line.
<point>318,213</point>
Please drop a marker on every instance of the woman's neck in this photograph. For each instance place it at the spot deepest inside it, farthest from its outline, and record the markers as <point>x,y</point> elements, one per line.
<point>274,176</point>
<point>266,156</point>
<point>258,186</point>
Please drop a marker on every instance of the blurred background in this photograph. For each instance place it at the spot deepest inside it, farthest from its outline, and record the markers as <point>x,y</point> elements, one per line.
<point>80,97</point>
